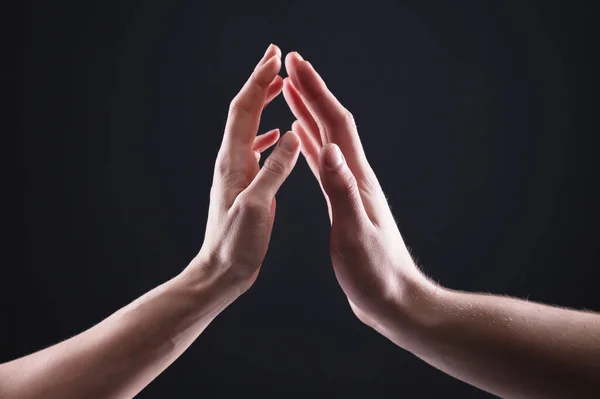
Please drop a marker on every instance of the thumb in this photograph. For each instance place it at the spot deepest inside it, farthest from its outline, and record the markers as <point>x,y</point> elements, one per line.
<point>277,167</point>
<point>340,185</point>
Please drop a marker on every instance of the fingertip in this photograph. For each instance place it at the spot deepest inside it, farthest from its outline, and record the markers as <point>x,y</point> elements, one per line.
<point>291,62</point>
<point>305,68</point>
<point>288,63</point>
<point>293,57</point>
<point>272,49</point>
<point>273,132</point>
<point>303,75</point>
<point>276,85</point>
<point>296,55</point>
<point>265,140</point>
<point>277,50</point>
<point>290,142</point>
<point>272,62</point>
<point>276,59</point>
<point>296,126</point>
<point>267,72</point>
<point>269,48</point>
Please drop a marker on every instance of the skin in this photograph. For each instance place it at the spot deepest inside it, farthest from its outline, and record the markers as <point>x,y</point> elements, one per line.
<point>508,347</point>
<point>122,354</point>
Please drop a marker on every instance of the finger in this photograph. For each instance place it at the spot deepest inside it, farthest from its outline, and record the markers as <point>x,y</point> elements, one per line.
<point>291,63</point>
<point>310,151</point>
<point>266,140</point>
<point>274,89</point>
<point>308,148</point>
<point>336,122</point>
<point>341,187</point>
<point>302,107</point>
<point>245,108</point>
<point>300,111</point>
<point>276,168</point>
<point>272,50</point>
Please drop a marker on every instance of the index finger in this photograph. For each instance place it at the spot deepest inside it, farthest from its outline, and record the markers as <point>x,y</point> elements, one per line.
<point>246,107</point>
<point>335,121</point>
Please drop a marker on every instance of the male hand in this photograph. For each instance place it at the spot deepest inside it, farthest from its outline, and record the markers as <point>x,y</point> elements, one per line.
<point>242,205</point>
<point>370,259</point>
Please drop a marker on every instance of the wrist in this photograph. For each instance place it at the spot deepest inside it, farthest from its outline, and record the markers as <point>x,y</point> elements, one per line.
<point>211,281</point>
<point>412,312</point>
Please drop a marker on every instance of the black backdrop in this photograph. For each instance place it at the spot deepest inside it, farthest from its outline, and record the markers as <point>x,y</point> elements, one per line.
<point>478,118</point>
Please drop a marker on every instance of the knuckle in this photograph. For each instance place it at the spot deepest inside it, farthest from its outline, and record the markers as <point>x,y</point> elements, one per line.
<point>247,201</point>
<point>222,166</point>
<point>237,105</point>
<point>260,81</point>
<point>251,205</point>
<point>275,165</point>
<point>348,182</point>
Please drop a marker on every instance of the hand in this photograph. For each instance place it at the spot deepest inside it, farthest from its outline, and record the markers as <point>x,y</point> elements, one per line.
<point>242,205</point>
<point>370,259</point>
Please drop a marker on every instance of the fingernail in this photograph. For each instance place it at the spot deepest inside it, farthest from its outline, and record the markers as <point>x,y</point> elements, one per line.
<point>288,142</point>
<point>269,48</point>
<point>299,56</point>
<point>334,158</point>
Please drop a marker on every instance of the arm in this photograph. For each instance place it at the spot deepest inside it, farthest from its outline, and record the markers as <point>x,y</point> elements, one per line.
<point>121,355</point>
<point>505,346</point>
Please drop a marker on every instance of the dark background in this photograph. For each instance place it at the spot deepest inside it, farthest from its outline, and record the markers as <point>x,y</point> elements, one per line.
<point>478,117</point>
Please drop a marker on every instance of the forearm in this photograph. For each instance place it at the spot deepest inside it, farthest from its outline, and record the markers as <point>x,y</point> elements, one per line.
<point>121,355</point>
<point>509,347</point>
